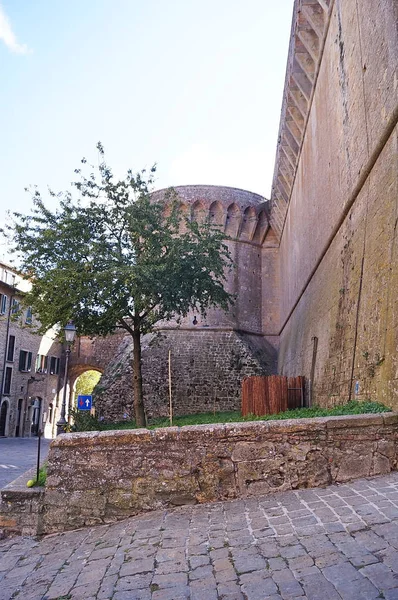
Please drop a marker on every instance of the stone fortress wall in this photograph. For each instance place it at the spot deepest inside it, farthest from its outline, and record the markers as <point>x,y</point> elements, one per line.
<point>335,201</point>
<point>316,274</point>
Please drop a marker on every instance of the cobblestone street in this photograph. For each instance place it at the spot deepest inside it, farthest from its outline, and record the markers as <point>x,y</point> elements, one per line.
<point>318,544</point>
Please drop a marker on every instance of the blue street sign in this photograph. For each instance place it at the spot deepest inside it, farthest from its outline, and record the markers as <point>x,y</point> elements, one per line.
<point>84,402</point>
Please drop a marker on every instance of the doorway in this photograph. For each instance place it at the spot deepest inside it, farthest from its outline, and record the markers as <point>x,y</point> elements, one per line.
<point>18,429</point>
<point>3,418</point>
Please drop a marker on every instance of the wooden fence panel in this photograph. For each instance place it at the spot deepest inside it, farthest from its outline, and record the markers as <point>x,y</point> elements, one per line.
<point>271,395</point>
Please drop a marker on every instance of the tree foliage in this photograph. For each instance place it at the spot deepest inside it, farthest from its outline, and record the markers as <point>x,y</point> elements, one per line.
<point>86,382</point>
<point>111,257</point>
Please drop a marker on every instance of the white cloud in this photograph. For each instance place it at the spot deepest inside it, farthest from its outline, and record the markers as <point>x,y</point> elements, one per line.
<point>8,37</point>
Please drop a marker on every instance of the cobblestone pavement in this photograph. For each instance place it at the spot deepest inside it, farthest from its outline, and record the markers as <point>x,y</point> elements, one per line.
<point>318,544</point>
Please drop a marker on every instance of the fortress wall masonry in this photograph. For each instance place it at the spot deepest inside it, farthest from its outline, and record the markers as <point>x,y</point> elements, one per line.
<point>338,253</point>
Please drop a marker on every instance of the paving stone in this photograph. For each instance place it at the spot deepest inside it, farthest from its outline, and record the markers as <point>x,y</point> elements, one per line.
<point>201,572</point>
<point>132,595</point>
<point>371,541</point>
<point>148,557</point>
<point>317,586</point>
<point>226,575</point>
<point>176,593</point>
<point>381,576</point>
<point>292,551</point>
<point>254,576</point>
<point>222,564</point>
<point>171,566</point>
<point>330,559</point>
<point>250,563</point>
<point>134,567</point>
<point>276,564</point>
<point>107,587</point>
<point>259,589</point>
<point>166,581</point>
<point>134,582</point>
<point>300,574</point>
<point>85,591</point>
<point>284,575</point>
<point>205,594</point>
<point>230,587</point>
<point>290,589</point>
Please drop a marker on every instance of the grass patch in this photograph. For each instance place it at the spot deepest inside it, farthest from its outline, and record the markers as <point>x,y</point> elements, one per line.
<point>41,481</point>
<point>352,408</point>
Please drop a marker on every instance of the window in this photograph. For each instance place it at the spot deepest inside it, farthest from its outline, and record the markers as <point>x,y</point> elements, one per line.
<point>28,318</point>
<point>3,304</point>
<point>7,381</point>
<point>41,363</point>
<point>25,360</point>
<point>54,365</point>
<point>10,348</point>
<point>15,307</point>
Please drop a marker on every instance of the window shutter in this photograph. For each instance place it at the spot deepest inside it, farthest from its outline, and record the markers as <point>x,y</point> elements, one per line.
<point>21,360</point>
<point>29,365</point>
<point>3,307</point>
<point>11,348</point>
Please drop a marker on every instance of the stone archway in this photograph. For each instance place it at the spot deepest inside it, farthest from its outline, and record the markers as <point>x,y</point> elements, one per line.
<point>76,372</point>
<point>3,418</point>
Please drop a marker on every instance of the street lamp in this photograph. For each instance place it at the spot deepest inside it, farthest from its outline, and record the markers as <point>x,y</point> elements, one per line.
<point>70,332</point>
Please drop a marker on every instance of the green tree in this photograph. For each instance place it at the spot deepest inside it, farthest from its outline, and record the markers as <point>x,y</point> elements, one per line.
<point>112,258</point>
<point>86,382</point>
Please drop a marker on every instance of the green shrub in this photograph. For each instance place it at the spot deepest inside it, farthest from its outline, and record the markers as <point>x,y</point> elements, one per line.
<point>84,421</point>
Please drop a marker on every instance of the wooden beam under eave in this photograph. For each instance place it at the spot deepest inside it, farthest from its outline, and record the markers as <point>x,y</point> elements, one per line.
<point>325,5</point>
<point>278,216</point>
<point>279,192</point>
<point>288,166</point>
<point>296,116</point>
<point>299,100</point>
<point>294,130</point>
<point>284,186</point>
<point>289,139</point>
<point>306,62</point>
<point>310,41</point>
<point>286,152</point>
<point>277,213</point>
<point>315,16</point>
<point>302,81</point>
<point>286,170</point>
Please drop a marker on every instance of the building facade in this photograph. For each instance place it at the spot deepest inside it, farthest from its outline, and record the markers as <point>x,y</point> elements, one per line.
<point>30,365</point>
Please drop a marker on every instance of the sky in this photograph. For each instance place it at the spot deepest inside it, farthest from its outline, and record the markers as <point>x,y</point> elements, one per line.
<point>195,86</point>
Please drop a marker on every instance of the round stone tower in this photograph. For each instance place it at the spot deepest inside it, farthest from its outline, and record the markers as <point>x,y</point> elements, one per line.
<point>243,216</point>
<point>210,356</point>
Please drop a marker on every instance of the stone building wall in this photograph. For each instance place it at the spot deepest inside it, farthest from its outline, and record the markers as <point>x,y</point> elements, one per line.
<point>207,370</point>
<point>111,475</point>
<point>34,392</point>
<point>337,220</point>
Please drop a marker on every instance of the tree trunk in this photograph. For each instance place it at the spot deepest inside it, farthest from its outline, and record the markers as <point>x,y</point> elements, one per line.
<point>138,396</point>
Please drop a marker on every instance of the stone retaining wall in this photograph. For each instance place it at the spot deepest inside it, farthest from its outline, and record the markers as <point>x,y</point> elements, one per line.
<point>100,477</point>
<point>21,507</point>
